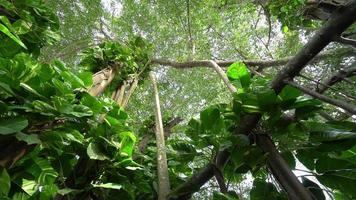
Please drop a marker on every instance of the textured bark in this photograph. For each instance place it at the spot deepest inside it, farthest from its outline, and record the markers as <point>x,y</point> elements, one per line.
<point>131,90</point>
<point>281,171</point>
<point>101,80</point>
<point>162,168</point>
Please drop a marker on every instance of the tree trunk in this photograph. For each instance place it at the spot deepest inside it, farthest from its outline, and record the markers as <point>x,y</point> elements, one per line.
<point>162,168</point>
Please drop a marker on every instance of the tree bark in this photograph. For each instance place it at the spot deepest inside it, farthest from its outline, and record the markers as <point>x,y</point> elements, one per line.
<point>101,80</point>
<point>251,63</point>
<point>280,170</point>
<point>162,168</point>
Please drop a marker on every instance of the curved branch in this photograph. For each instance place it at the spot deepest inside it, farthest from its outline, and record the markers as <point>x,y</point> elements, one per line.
<point>251,63</point>
<point>344,40</point>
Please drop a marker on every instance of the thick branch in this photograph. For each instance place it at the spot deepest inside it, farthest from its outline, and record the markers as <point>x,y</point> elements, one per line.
<point>220,179</point>
<point>280,169</point>
<point>341,20</point>
<point>251,63</point>
<point>341,104</point>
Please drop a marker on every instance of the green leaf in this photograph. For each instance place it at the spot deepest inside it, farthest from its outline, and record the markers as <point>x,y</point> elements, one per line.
<point>44,108</point>
<point>5,182</point>
<point>239,71</point>
<point>31,90</point>
<point>87,78</point>
<point>29,139</point>
<point>127,144</point>
<point>7,32</point>
<point>95,152</point>
<point>47,175</point>
<point>93,103</point>
<point>289,92</point>
<point>80,111</point>
<point>263,190</point>
<point>114,186</point>
<point>5,87</point>
<point>326,164</point>
<point>12,125</point>
<point>345,185</point>
<point>211,120</point>
<point>267,99</point>
<point>29,186</point>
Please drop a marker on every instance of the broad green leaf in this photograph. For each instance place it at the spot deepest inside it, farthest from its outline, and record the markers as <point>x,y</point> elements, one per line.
<point>5,87</point>
<point>5,182</point>
<point>7,32</point>
<point>345,185</point>
<point>47,175</point>
<point>211,120</point>
<point>80,111</point>
<point>228,196</point>
<point>289,92</point>
<point>267,100</point>
<point>114,186</point>
<point>31,90</point>
<point>91,102</point>
<point>87,78</point>
<point>44,108</point>
<point>20,196</point>
<point>29,139</point>
<point>75,81</point>
<point>306,157</point>
<point>12,125</point>
<point>326,164</point>
<point>239,71</point>
<point>29,186</point>
<point>128,140</point>
<point>95,152</point>
<point>264,190</point>
<point>21,26</point>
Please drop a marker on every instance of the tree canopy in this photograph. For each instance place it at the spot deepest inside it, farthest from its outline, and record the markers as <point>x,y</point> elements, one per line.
<point>177,99</point>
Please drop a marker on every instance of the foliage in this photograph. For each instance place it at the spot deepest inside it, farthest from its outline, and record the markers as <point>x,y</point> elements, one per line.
<point>47,107</point>
<point>82,147</point>
<point>290,13</point>
<point>28,26</point>
<point>131,59</point>
<point>324,147</point>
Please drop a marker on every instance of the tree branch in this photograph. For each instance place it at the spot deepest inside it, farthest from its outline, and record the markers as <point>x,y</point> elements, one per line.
<point>341,104</point>
<point>343,40</point>
<point>338,23</point>
<point>337,77</point>
<point>251,63</point>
